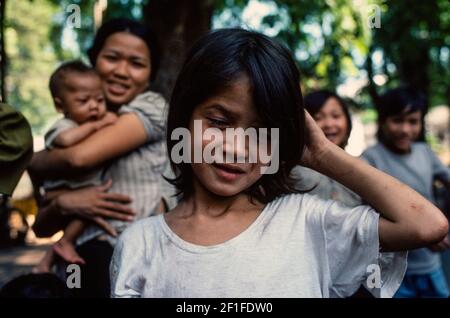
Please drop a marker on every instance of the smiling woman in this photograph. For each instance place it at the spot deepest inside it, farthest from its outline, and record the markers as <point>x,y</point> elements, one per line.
<point>126,57</point>
<point>124,66</point>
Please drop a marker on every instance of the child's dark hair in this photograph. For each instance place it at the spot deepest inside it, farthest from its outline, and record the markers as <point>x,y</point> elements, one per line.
<point>215,62</point>
<point>56,82</point>
<point>314,101</point>
<point>401,101</point>
<point>35,286</point>
<point>135,28</point>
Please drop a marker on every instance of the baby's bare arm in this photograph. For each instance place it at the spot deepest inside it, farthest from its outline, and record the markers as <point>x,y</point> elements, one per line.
<point>74,135</point>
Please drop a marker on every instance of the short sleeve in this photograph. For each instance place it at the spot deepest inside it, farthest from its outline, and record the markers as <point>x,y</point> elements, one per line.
<point>151,109</point>
<point>353,253</point>
<point>57,128</point>
<point>440,171</point>
<point>126,262</point>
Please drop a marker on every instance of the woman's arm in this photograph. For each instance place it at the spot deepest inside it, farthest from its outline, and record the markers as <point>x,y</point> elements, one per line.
<point>48,220</point>
<point>407,220</point>
<point>127,134</point>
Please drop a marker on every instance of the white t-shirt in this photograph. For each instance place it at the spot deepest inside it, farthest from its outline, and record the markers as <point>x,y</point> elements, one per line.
<point>299,246</point>
<point>323,186</point>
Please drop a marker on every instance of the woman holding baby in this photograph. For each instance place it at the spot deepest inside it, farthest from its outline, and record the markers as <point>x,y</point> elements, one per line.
<point>131,151</point>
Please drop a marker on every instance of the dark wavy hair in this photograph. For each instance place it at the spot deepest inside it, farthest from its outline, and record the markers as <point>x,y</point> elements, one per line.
<point>314,101</point>
<point>133,27</point>
<point>401,101</point>
<point>215,62</point>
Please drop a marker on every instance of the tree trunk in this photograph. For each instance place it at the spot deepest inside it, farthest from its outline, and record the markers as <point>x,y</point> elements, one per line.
<point>3,59</point>
<point>177,24</point>
<point>371,87</point>
<point>414,70</point>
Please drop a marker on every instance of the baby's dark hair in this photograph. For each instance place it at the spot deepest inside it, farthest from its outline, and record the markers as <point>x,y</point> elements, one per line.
<point>314,101</point>
<point>35,286</point>
<point>56,83</point>
<point>215,62</point>
<point>401,101</point>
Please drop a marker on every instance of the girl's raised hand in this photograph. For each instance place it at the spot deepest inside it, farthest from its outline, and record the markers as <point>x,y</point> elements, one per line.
<point>316,143</point>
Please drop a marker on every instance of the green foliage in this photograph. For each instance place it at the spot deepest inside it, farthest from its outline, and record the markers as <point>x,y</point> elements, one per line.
<point>434,143</point>
<point>369,116</point>
<point>331,41</point>
<point>31,59</point>
<point>35,34</point>
<point>325,36</point>
<point>84,35</point>
<point>415,39</point>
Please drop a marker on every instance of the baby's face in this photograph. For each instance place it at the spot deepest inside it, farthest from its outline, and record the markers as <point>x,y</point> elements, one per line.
<point>82,99</point>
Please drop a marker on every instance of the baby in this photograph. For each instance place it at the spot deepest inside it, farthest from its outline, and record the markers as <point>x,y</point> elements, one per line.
<point>77,93</point>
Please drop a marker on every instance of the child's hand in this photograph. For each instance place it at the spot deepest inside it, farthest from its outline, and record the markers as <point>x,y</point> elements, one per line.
<point>108,119</point>
<point>316,143</point>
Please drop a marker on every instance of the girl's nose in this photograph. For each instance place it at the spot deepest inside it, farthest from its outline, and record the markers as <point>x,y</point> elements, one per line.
<point>236,149</point>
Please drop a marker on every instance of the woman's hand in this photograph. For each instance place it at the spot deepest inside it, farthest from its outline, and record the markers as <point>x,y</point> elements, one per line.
<point>95,204</point>
<point>316,143</point>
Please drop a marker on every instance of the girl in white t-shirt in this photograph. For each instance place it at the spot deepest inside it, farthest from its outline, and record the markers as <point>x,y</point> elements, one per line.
<point>241,229</point>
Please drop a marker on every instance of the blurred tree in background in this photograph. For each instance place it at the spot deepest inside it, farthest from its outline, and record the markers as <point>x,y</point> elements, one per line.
<point>415,42</point>
<point>30,58</point>
<point>336,43</point>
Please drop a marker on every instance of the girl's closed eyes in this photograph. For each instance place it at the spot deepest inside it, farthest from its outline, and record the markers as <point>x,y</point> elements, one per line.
<point>217,122</point>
